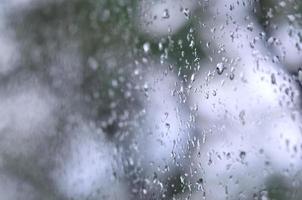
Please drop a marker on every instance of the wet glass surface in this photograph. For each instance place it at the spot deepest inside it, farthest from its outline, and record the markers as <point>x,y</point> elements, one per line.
<point>150,99</point>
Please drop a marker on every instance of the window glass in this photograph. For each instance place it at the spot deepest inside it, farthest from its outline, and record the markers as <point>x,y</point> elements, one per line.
<point>150,99</point>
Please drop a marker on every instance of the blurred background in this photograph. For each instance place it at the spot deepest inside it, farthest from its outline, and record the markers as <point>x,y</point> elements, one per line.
<point>150,99</point>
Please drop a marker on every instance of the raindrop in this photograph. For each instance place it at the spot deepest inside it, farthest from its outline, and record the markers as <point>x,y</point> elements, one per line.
<point>210,161</point>
<point>242,116</point>
<point>191,44</point>
<point>232,7</point>
<point>262,35</point>
<point>146,47</point>
<point>208,44</point>
<point>114,83</point>
<point>220,68</point>
<point>291,18</point>
<point>273,78</point>
<point>166,14</point>
<point>207,95</point>
<point>200,181</point>
<point>271,40</point>
<point>242,155</point>
<point>228,155</point>
<point>193,77</point>
<point>250,27</point>
<point>200,184</point>
<point>186,12</point>
<point>168,126</point>
<point>276,59</point>
<point>232,76</point>
<point>136,72</point>
<point>214,93</point>
<point>182,180</point>
<point>282,4</point>
<point>270,13</point>
<point>160,46</point>
<point>146,87</point>
<point>261,151</point>
<point>300,75</point>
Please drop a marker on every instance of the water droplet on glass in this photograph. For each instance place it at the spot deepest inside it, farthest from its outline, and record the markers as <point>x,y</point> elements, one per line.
<point>114,83</point>
<point>300,75</point>
<point>160,46</point>
<point>271,40</point>
<point>262,35</point>
<point>232,7</point>
<point>220,68</point>
<point>146,87</point>
<point>276,59</point>
<point>214,93</point>
<point>166,14</point>
<point>182,179</point>
<point>145,191</point>
<point>200,184</point>
<point>282,4</point>
<point>291,18</point>
<point>208,44</point>
<point>166,115</point>
<point>186,12</point>
<point>242,155</point>
<point>232,76</point>
<point>193,78</point>
<point>250,27</point>
<point>200,181</point>
<point>273,78</point>
<point>136,72</point>
<point>168,126</point>
<point>146,47</point>
<point>242,116</point>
